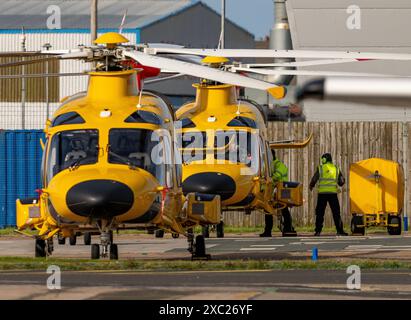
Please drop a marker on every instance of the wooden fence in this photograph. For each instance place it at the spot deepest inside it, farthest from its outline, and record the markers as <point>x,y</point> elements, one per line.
<point>348,142</point>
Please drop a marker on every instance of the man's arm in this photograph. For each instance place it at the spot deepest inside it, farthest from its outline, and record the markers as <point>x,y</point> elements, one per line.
<point>341,179</point>
<point>314,179</point>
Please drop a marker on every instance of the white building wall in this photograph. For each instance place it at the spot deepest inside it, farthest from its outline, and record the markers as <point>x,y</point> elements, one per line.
<point>35,112</point>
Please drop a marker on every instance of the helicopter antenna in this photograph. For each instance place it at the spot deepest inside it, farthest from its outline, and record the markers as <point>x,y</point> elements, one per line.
<point>221,44</point>
<point>120,29</point>
<point>140,95</point>
<point>238,103</point>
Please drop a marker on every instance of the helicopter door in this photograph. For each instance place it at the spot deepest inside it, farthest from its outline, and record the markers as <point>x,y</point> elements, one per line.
<point>178,165</point>
<point>264,175</point>
<point>43,165</point>
<point>168,160</point>
<point>270,160</point>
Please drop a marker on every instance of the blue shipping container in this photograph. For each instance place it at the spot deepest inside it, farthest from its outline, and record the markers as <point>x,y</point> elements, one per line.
<point>20,162</point>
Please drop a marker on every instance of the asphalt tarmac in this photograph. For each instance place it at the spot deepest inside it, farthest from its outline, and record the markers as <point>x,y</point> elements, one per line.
<point>202,285</point>
<point>250,285</point>
<point>234,246</point>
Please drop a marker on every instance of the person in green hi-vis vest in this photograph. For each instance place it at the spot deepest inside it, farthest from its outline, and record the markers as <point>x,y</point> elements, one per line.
<point>330,179</point>
<point>279,173</point>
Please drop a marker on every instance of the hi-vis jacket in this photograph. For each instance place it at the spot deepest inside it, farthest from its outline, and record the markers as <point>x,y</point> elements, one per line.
<point>279,171</point>
<point>329,177</point>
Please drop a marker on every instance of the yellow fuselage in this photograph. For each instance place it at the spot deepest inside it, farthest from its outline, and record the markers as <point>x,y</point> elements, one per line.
<point>239,184</point>
<point>104,188</point>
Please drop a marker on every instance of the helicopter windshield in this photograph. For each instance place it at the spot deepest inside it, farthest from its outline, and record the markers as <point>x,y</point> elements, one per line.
<point>193,146</point>
<point>235,146</point>
<point>71,148</point>
<point>134,147</point>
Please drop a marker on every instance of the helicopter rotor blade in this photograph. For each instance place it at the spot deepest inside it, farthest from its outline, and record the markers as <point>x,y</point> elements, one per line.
<point>205,72</point>
<point>295,64</point>
<point>41,75</point>
<point>155,80</point>
<point>73,55</point>
<point>375,91</point>
<point>20,53</point>
<point>296,54</point>
<point>269,72</point>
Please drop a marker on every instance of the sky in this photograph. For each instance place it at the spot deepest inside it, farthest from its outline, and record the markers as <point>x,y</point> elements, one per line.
<point>256,16</point>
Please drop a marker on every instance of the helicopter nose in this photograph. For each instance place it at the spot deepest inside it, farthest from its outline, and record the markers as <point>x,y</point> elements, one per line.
<point>100,198</point>
<point>210,183</point>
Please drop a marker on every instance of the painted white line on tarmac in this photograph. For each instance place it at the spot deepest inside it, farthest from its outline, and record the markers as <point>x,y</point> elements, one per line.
<point>366,246</point>
<point>252,239</point>
<point>397,246</point>
<point>308,243</point>
<point>361,250</point>
<point>257,249</point>
<point>267,245</point>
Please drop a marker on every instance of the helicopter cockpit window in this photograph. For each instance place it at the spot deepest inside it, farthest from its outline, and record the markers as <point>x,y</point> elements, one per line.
<point>67,118</point>
<point>242,122</point>
<point>134,147</point>
<point>234,146</point>
<point>70,149</point>
<point>192,146</point>
<point>142,116</point>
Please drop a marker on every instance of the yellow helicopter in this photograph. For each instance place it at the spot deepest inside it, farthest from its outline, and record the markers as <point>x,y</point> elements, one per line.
<point>226,151</point>
<point>111,160</point>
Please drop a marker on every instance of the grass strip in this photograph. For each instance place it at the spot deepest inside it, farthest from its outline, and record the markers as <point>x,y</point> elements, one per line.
<point>18,263</point>
<point>227,229</point>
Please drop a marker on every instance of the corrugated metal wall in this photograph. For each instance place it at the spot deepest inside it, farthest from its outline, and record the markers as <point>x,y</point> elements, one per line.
<point>20,159</point>
<point>35,112</point>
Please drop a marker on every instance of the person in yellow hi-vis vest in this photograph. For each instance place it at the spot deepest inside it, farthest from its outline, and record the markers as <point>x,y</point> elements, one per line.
<point>330,179</point>
<point>279,173</point>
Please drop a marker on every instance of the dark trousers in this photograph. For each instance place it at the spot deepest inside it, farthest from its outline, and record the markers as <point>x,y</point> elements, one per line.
<point>332,200</point>
<point>287,220</point>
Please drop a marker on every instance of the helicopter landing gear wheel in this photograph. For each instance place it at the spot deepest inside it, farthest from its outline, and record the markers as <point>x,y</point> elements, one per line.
<point>49,246</point>
<point>61,240</point>
<point>95,251</point>
<point>113,252</point>
<point>73,240</point>
<point>199,249</point>
<point>87,238</point>
<point>40,248</point>
<point>159,233</point>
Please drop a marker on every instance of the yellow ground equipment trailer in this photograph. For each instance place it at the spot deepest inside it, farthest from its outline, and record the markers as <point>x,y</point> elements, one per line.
<point>376,195</point>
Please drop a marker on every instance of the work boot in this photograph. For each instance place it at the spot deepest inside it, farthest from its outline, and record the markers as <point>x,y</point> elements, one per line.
<point>317,234</point>
<point>342,233</point>
<point>265,234</point>
<point>290,233</point>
